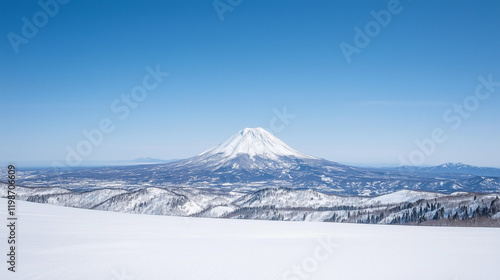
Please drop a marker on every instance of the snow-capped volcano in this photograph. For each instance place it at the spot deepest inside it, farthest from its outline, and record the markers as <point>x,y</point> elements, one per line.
<point>254,159</point>
<point>255,142</point>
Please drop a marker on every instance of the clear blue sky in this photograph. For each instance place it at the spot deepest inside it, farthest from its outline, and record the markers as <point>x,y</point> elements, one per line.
<point>231,74</point>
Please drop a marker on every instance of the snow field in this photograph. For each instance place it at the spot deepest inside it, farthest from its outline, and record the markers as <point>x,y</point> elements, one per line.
<point>64,243</point>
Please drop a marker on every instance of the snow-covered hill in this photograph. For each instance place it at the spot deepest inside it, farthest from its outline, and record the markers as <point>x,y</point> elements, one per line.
<point>61,243</point>
<point>401,207</point>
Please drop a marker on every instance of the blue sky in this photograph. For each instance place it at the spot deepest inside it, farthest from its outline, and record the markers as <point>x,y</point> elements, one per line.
<point>231,74</point>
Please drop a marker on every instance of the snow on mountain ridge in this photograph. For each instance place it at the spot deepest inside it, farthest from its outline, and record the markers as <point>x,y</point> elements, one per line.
<point>455,165</point>
<point>255,142</point>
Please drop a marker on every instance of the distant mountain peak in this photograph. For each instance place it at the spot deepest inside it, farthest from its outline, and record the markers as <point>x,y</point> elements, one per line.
<point>458,165</point>
<point>255,142</point>
<point>453,164</point>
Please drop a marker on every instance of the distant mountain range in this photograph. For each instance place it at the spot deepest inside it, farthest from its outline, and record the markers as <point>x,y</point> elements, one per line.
<point>151,160</point>
<point>453,168</point>
<point>254,159</point>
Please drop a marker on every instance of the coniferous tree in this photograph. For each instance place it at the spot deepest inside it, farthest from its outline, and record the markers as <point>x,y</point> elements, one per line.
<point>436,216</point>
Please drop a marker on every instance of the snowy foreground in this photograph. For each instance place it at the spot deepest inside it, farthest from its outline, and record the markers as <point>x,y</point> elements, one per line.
<point>66,243</point>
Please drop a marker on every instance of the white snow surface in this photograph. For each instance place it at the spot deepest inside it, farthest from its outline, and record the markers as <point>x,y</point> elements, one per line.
<point>61,243</point>
<point>405,196</point>
<point>255,142</point>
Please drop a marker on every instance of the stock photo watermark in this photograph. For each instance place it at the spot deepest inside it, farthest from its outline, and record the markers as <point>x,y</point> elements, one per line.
<point>223,6</point>
<point>454,117</point>
<point>122,274</point>
<point>280,120</point>
<point>324,250</point>
<point>32,25</point>
<point>12,222</point>
<point>363,37</point>
<point>120,107</point>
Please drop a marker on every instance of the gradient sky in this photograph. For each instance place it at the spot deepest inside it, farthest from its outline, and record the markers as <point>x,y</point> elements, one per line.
<point>231,74</point>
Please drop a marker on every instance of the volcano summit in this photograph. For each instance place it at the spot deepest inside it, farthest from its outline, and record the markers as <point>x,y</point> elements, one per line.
<point>255,142</point>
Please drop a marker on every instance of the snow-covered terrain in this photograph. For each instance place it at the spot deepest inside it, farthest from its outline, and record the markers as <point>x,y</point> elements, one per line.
<point>60,243</point>
<point>254,159</point>
<point>401,207</point>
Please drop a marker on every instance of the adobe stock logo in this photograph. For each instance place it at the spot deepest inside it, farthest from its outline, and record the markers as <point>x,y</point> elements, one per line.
<point>324,249</point>
<point>280,120</point>
<point>454,116</point>
<point>31,27</point>
<point>122,274</point>
<point>121,109</point>
<point>372,29</point>
<point>221,7</point>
